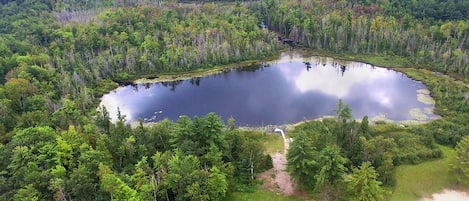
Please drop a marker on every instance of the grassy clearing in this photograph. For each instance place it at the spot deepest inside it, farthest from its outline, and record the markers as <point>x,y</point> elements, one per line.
<point>260,196</point>
<point>416,181</point>
<point>273,143</point>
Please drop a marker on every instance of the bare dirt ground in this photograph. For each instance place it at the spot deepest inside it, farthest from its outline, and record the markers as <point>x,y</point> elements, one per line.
<point>277,179</point>
<point>448,195</point>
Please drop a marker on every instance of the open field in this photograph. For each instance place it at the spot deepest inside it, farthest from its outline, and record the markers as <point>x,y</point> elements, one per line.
<point>414,182</point>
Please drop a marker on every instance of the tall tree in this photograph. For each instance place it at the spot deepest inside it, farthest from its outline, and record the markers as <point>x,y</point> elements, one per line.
<point>112,184</point>
<point>363,184</point>
<point>343,111</point>
<point>380,151</point>
<point>303,161</point>
<point>332,167</point>
<point>344,116</point>
<point>18,90</point>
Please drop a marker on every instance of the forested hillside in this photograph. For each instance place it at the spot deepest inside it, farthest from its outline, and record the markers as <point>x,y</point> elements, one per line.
<point>342,26</point>
<point>57,58</point>
<point>81,57</point>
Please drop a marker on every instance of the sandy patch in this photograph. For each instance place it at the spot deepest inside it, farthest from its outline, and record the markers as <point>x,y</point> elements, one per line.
<point>448,195</point>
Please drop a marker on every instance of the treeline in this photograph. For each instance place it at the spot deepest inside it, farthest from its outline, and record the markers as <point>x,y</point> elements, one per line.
<point>191,159</point>
<point>338,157</point>
<point>141,40</point>
<point>426,9</point>
<point>339,26</point>
<point>73,5</point>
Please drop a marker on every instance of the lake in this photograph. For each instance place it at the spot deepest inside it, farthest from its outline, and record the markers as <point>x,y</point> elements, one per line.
<point>289,89</point>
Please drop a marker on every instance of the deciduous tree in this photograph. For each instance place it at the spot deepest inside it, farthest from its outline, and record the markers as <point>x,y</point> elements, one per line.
<point>461,161</point>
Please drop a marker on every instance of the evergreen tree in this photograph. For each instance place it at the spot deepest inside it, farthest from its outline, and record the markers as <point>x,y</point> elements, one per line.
<point>331,167</point>
<point>363,184</point>
<point>303,162</point>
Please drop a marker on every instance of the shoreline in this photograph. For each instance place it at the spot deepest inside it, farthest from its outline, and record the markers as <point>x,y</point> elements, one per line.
<point>302,52</point>
<point>375,120</point>
<point>199,73</point>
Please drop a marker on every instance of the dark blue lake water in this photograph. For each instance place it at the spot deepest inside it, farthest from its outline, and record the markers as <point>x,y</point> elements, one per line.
<point>287,90</point>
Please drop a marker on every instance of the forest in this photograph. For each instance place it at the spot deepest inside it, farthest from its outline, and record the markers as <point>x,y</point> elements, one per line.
<point>57,58</point>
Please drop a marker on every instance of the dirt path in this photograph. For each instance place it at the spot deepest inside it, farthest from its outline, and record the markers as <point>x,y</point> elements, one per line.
<point>277,179</point>
<point>448,195</point>
<point>282,178</point>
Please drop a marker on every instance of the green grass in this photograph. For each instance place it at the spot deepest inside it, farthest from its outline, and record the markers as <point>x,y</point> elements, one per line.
<point>417,181</point>
<point>272,143</point>
<point>375,59</point>
<point>260,196</point>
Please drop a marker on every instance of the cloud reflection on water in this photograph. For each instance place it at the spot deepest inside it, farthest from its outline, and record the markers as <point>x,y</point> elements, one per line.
<point>285,92</point>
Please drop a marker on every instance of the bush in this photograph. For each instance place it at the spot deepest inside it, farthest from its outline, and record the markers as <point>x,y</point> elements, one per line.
<point>268,163</point>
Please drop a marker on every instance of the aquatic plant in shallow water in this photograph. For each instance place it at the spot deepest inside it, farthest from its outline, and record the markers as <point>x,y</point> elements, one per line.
<point>423,95</point>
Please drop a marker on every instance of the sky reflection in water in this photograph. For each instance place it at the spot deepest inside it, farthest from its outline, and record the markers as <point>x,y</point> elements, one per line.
<point>283,92</point>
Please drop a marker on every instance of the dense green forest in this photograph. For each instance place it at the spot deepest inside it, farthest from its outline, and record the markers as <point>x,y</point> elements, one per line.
<point>427,9</point>
<point>58,57</point>
<point>342,26</point>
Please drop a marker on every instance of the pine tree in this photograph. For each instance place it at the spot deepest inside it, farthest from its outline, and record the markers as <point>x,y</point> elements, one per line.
<point>363,185</point>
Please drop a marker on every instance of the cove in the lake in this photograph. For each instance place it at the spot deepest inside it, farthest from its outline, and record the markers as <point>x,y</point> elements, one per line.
<point>290,89</point>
